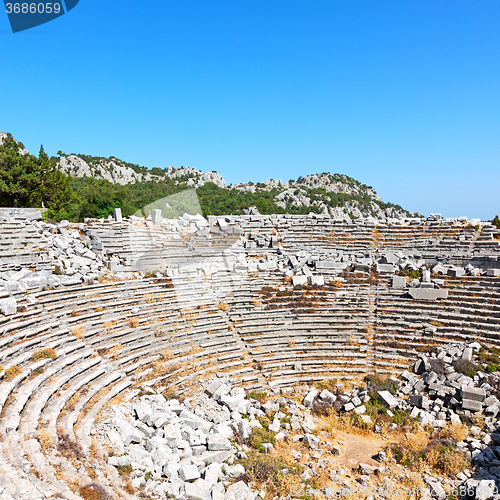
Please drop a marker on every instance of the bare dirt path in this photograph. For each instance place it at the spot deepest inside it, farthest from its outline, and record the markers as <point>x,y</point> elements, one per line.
<point>360,449</point>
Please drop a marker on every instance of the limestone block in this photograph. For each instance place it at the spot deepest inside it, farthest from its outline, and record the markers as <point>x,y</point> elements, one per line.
<point>398,282</point>
<point>469,404</point>
<point>388,400</point>
<point>299,280</point>
<point>311,440</point>
<point>212,473</point>
<point>473,393</point>
<point>427,293</point>
<point>237,491</point>
<point>218,492</point>
<point>117,214</point>
<point>8,307</point>
<point>234,471</point>
<point>189,473</point>
<point>309,398</point>
<point>216,442</point>
<point>327,396</point>
<point>196,491</point>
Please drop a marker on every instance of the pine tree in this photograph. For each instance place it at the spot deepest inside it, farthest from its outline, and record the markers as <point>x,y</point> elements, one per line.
<point>54,188</point>
<point>18,175</point>
<point>27,181</point>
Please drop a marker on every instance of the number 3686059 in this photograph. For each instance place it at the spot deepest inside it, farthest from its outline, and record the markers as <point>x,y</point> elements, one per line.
<point>33,8</point>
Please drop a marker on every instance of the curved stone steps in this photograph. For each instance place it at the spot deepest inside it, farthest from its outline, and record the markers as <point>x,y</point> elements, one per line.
<point>68,420</point>
<point>82,434</point>
<point>52,411</point>
<point>14,479</point>
<point>31,414</point>
<point>12,413</point>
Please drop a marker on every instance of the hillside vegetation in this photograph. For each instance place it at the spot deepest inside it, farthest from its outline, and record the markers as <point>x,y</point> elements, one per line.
<point>75,187</point>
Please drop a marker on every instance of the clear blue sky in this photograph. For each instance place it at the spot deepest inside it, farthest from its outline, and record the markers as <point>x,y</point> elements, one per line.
<point>401,95</point>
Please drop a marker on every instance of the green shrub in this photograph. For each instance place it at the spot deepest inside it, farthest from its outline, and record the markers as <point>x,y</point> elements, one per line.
<point>261,397</point>
<point>124,470</point>
<point>377,382</point>
<point>259,437</point>
<point>43,354</point>
<point>416,274</point>
<point>12,372</point>
<point>491,357</point>
<point>468,368</point>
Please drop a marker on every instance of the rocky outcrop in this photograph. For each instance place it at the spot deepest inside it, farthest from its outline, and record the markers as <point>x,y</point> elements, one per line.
<point>113,170</point>
<point>196,178</point>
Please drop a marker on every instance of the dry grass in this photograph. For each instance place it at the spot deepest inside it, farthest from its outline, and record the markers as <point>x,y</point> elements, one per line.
<point>67,447</point>
<point>75,313</point>
<point>453,462</point>
<point>43,354</point>
<point>479,421</point>
<point>12,372</point>
<point>114,351</point>
<point>160,370</point>
<point>149,298</point>
<point>46,439</point>
<point>422,454</point>
<point>415,441</point>
<point>166,355</point>
<point>99,309</point>
<point>93,491</point>
<point>133,322</point>
<point>189,317</point>
<point>332,422</point>
<point>70,406</point>
<point>352,340</point>
<point>129,488</point>
<point>289,484</point>
<point>223,306</point>
<point>256,302</point>
<point>78,331</point>
<point>195,348</point>
<point>456,431</point>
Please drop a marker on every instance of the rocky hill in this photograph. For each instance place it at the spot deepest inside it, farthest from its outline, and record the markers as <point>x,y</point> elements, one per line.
<point>333,194</point>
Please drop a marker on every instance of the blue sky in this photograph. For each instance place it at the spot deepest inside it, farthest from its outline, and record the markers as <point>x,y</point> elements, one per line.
<point>402,96</point>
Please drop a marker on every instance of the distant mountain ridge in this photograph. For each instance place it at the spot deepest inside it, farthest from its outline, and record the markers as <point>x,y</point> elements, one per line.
<point>314,190</point>
<point>338,195</point>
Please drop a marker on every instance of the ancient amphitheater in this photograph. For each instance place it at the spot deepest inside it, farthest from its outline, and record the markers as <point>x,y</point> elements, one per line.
<point>96,311</point>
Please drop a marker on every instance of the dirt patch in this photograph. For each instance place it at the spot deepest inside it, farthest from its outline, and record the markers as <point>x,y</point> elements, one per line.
<point>360,449</point>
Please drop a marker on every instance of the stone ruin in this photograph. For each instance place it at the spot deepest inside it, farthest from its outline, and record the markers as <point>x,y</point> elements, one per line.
<point>100,320</point>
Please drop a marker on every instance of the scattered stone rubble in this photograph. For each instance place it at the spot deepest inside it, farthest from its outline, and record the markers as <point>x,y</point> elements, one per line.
<point>436,394</point>
<point>66,254</point>
<point>183,449</point>
<point>187,450</point>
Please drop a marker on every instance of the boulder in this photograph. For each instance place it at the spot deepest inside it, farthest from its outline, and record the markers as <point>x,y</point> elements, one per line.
<point>8,307</point>
<point>189,473</point>
<point>388,400</point>
<point>311,440</point>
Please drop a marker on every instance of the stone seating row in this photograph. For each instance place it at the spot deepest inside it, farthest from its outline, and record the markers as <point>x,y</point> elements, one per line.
<point>98,379</point>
